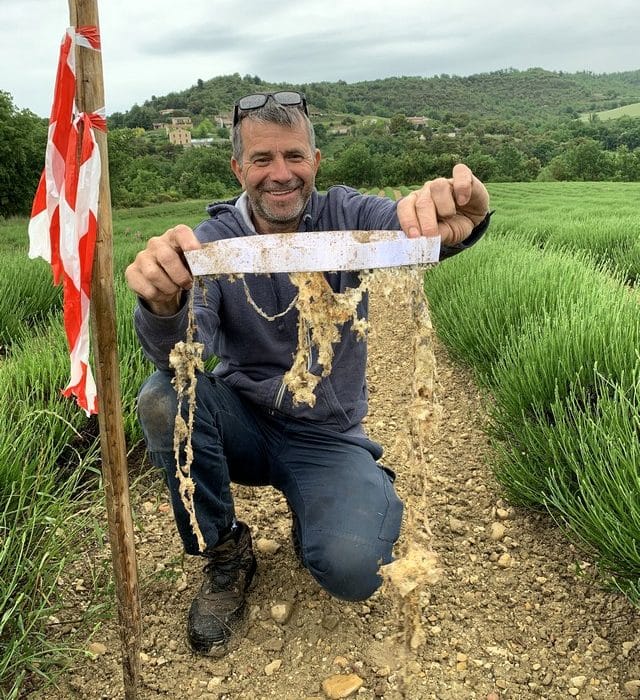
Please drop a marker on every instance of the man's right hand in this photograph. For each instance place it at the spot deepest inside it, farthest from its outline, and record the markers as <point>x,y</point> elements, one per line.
<point>159,273</point>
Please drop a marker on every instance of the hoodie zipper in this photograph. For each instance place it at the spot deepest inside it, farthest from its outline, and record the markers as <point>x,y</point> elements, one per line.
<point>279,397</point>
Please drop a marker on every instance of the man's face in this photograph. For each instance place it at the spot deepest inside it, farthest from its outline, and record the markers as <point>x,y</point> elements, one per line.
<point>278,171</point>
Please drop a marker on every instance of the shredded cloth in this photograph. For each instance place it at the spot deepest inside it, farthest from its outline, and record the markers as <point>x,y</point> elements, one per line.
<point>186,359</point>
<point>321,315</point>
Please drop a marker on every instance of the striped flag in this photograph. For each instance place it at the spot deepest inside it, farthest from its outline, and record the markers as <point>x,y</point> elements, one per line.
<point>63,225</point>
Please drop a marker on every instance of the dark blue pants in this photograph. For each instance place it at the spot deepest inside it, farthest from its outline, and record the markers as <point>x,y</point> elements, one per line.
<point>348,515</point>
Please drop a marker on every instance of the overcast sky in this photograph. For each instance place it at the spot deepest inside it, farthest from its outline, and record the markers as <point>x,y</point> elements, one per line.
<point>152,47</point>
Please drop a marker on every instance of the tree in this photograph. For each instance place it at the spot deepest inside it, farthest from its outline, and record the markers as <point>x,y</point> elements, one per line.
<point>357,167</point>
<point>398,124</point>
<point>205,128</point>
<point>23,140</point>
<point>585,160</point>
<point>141,117</point>
<point>509,164</point>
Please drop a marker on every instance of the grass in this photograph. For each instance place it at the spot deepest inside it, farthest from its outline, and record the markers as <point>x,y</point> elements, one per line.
<point>553,336</point>
<point>48,450</point>
<point>27,297</point>
<point>632,110</point>
<point>38,542</point>
<point>599,218</point>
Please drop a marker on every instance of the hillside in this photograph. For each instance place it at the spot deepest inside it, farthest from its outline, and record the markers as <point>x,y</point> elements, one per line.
<point>531,95</point>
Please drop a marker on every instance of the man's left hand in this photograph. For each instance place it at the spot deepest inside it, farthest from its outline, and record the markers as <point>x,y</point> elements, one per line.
<point>445,207</point>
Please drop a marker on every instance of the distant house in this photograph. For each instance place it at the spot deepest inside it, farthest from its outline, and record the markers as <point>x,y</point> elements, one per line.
<point>158,125</point>
<point>223,121</point>
<point>180,136</point>
<point>179,131</point>
<point>164,112</point>
<point>181,121</point>
<point>417,121</point>
<point>340,131</point>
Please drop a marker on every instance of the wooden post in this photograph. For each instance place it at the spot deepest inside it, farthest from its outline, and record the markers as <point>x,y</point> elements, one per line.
<point>90,98</point>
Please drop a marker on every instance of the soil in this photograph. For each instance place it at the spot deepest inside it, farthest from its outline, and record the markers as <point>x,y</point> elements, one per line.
<point>517,614</point>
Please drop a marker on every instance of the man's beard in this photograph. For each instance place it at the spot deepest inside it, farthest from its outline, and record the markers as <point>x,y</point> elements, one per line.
<point>274,214</point>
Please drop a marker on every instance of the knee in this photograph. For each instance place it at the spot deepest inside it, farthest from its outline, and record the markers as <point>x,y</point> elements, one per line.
<point>157,407</point>
<point>347,568</point>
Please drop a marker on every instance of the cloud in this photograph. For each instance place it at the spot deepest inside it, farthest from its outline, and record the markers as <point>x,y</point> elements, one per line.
<point>156,47</point>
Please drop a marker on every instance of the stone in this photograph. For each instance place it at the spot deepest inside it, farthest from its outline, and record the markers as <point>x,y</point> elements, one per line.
<point>273,644</point>
<point>281,612</point>
<point>266,546</point>
<point>632,688</point>
<point>497,531</point>
<point>330,621</point>
<point>97,649</point>
<point>456,526</point>
<point>505,561</point>
<point>274,666</point>
<point>341,686</point>
<point>578,682</point>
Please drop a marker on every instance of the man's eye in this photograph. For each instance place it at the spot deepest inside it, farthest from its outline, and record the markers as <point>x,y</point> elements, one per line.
<point>260,161</point>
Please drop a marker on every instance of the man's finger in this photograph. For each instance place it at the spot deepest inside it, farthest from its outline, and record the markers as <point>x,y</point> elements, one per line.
<point>417,214</point>
<point>462,184</point>
<point>454,230</point>
<point>441,191</point>
<point>426,211</point>
<point>182,237</point>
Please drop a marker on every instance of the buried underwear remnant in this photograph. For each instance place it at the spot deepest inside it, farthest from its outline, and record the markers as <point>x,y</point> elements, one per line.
<point>321,315</point>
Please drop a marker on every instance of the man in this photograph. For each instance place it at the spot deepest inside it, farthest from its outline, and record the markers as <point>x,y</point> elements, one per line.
<point>346,514</point>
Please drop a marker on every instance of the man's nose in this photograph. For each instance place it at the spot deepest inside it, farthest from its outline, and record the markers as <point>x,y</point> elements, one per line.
<point>280,170</point>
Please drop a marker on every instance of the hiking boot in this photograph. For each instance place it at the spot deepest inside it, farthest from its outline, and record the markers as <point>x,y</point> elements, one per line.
<point>220,603</point>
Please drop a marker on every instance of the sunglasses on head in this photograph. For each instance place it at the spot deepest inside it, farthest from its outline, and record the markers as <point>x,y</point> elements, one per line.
<point>285,98</point>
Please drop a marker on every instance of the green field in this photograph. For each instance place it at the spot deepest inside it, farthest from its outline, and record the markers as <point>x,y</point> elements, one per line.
<point>543,310</point>
<point>632,110</point>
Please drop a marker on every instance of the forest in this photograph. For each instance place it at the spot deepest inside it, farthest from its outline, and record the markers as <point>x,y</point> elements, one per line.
<point>508,126</point>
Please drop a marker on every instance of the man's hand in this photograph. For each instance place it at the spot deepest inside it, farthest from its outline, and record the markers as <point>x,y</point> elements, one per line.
<point>445,207</point>
<point>159,273</point>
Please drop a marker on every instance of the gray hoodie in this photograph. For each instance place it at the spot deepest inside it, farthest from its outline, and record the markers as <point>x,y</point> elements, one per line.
<point>254,353</point>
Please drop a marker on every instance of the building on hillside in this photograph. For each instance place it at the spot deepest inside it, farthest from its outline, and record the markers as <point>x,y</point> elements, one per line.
<point>158,125</point>
<point>181,121</point>
<point>417,121</point>
<point>164,112</point>
<point>340,131</point>
<point>223,121</point>
<point>180,136</point>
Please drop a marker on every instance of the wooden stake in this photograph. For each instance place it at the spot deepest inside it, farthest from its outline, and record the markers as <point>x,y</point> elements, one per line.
<point>90,98</point>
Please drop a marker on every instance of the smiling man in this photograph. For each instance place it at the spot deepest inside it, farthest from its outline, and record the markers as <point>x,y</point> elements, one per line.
<point>346,515</point>
<point>276,167</point>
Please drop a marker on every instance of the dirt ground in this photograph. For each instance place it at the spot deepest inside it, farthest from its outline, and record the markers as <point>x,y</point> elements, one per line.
<point>516,615</point>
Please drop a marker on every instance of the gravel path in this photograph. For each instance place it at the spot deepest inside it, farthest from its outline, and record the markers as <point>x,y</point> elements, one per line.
<point>515,616</point>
